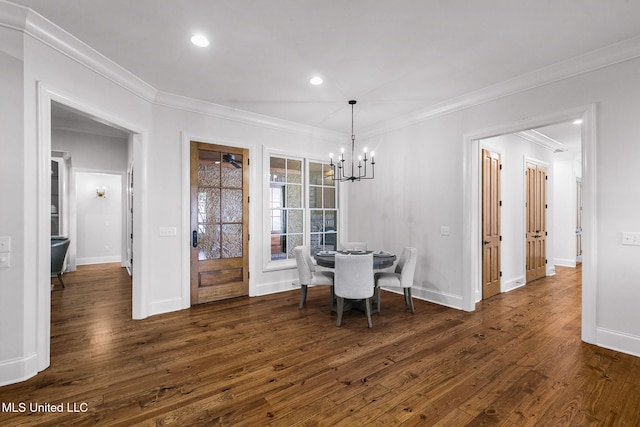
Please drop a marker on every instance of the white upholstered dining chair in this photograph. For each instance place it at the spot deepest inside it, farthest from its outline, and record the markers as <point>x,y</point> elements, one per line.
<point>401,278</point>
<point>348,246</point>
<point>308,276</point>
<point>354,281</point>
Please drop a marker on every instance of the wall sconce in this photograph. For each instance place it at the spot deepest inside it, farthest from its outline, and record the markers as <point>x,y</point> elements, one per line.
<point>101,192</point>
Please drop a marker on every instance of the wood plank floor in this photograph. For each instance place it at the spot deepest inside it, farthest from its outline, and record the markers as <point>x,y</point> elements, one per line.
<point>516,361</point>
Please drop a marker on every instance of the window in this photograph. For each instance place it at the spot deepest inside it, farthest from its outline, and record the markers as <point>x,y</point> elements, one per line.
<point>285,205</point>
<point>296,219</point>
<point>322,208</point>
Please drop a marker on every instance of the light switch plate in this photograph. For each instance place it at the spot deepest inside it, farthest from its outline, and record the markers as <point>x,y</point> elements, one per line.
<point>5,244</point>
<point>5,260</point>
<point>631,238</point>
<point>168,231</point>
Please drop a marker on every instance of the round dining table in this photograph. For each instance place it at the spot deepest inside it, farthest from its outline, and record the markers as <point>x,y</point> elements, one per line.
<point>380,259</point>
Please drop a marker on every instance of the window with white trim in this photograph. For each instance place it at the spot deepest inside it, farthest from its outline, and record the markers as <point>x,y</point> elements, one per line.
<point>286,206</point>
<point>294,219</point>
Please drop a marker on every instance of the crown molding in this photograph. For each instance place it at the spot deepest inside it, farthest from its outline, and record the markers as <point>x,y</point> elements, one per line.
<point>609,55</point>
<point>23,19</point>
<point>192,105</point>
<point>33,24</point>
<point>542,140</point>
<point>50,34</point>
<point>13,16</point>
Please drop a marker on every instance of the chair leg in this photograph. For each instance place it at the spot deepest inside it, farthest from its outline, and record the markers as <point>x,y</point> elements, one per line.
<point>409,299</point>
<point>303,295</point>
<point>378,293</point>
<point>367,303</point>
<point>60,278</point>
<point>333,299</point>
<point>340,308</point>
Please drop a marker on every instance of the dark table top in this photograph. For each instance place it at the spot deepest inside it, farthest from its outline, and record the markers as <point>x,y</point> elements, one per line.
<point>380,260</point>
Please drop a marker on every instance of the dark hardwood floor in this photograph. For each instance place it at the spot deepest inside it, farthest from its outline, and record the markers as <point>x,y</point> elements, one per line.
<point>516,361</point>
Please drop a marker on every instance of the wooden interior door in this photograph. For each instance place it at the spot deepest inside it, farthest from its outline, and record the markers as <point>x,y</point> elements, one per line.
<point>219,222</point>
<point>491,273</point>
<point>536,178</point>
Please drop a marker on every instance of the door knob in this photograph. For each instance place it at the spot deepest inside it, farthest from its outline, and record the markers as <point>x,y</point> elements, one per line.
<point>485,242</point>
<point>194,239</point>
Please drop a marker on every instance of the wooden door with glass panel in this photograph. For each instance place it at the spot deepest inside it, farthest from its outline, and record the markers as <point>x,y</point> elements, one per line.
<point>219,222</point>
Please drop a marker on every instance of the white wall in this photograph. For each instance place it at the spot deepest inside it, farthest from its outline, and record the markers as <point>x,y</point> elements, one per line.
<point>14,299</point>
<point>567,170</point>
<point>415,197</point>
<point>99,230</point>
<point>89,152</point>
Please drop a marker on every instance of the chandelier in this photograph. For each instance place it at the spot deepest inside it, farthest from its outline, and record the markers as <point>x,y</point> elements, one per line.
<point>342,173</point>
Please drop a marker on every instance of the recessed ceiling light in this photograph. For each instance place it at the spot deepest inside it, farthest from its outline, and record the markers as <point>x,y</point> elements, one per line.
<point>577,122</point>
<point>200,40</point>
<point>316,81</point>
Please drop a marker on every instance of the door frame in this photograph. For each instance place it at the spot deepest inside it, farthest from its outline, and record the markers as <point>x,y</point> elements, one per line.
<point>471,232</point>
<point>185,247</point>
<point>140,293</point>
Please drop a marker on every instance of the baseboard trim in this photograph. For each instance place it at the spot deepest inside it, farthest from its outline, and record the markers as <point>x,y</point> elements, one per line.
<point>165,306</point>
<point>436,297</point>
<point>98,260</point>
<point>618,341</point>
<point>275,287</point>
<point>18,370</point>
<point>565,262</point>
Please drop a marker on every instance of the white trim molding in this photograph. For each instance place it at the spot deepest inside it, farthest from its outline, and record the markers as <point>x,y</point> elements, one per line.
<point>618,341</point>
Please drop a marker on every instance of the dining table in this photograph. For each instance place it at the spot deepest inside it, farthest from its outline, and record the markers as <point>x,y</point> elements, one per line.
<point>381,259</point>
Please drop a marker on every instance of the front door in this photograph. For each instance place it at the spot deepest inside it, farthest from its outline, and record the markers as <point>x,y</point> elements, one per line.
<point>490,224</point>
<point>536,221</point>
<point>219,222</point>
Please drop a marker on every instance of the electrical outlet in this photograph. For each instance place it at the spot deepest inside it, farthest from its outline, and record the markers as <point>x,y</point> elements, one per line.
<point>444,230</point>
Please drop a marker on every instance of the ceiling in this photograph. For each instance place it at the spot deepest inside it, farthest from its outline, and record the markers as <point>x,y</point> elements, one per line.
<point>394,57</point>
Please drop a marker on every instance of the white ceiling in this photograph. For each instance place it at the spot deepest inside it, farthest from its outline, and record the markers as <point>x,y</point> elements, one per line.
<point>394,57</point>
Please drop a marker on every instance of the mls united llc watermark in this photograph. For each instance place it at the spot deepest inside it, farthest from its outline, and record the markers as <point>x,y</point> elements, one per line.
<point>31,407</point>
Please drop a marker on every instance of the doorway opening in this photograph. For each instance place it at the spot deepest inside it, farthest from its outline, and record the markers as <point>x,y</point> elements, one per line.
<point>537,165</point>
<point>51,103</point>
<point>472,254</point>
